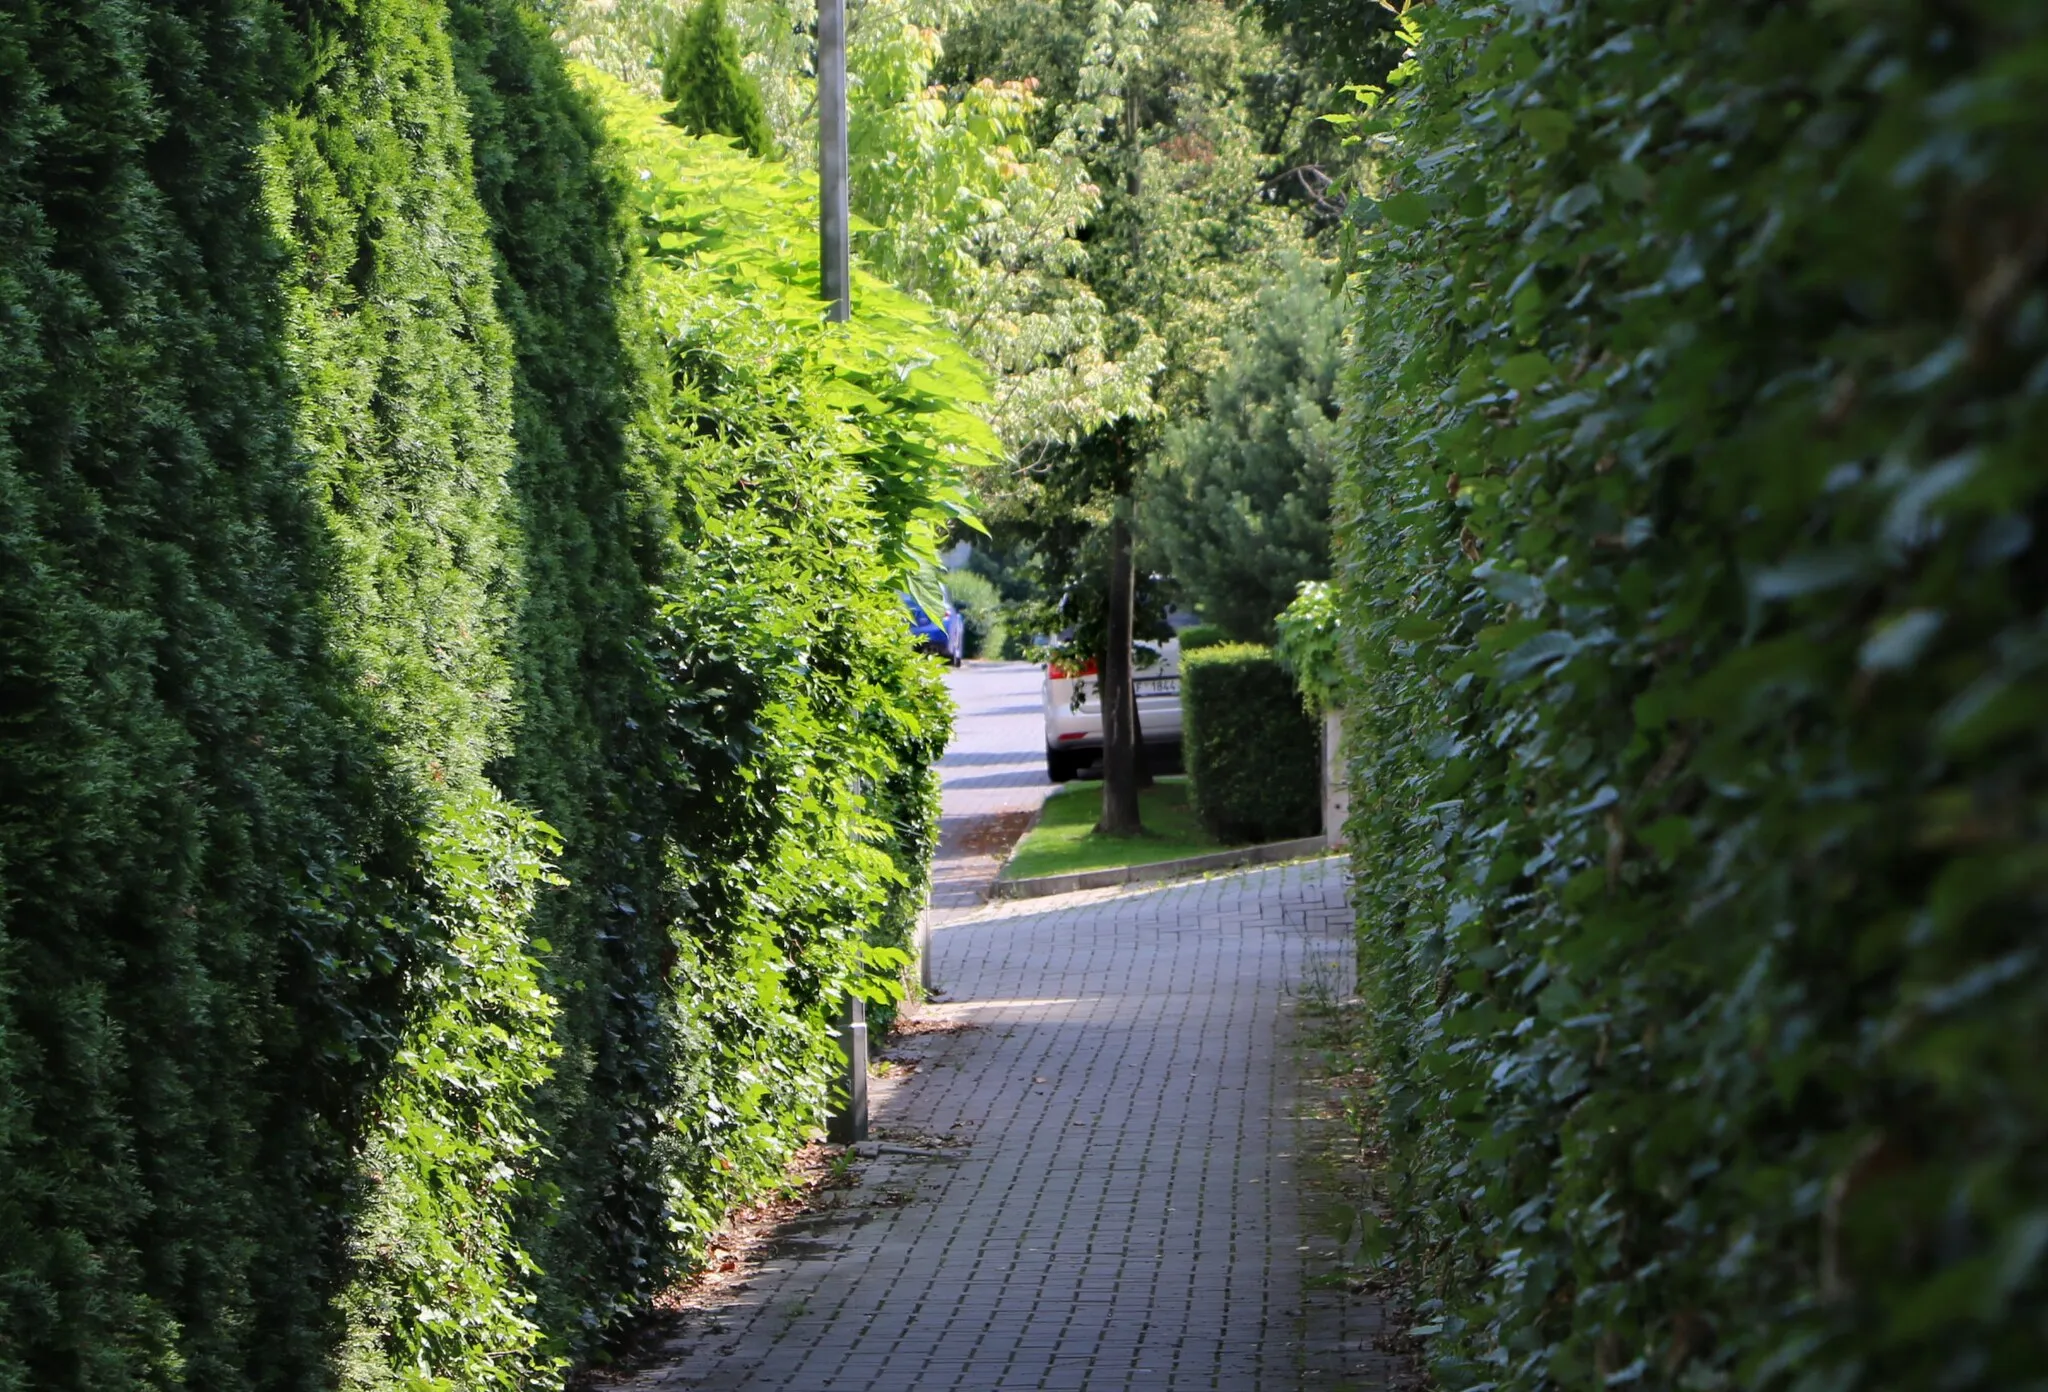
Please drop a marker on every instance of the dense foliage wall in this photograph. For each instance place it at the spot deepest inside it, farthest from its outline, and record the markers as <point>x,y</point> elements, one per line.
<point>822,469</point>
<point>460,736</point>
<point>183,754</point>
<point>597,502</point>
<point>1692,583</point>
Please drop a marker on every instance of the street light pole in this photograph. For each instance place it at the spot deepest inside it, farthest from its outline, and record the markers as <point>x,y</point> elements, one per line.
<point>850,1126</point>
<point>836,274</point>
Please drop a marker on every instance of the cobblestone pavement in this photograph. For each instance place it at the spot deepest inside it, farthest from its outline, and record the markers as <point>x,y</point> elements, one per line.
<point>992,780</point>
<point>1088,1183</point>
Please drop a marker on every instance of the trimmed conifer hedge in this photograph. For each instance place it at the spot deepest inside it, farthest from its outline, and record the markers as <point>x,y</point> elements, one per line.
<point>458,738</point>
<point>1693,592</point>
<point>187,762</point>
<point>1254,758</point>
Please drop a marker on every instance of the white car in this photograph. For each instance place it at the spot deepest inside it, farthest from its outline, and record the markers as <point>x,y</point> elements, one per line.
<point>1073,732</point>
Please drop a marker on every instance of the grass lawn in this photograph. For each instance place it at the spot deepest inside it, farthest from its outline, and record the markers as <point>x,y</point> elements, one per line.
<point>1065,841</point>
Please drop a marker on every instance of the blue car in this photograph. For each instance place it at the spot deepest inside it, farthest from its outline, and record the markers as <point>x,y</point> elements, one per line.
<point>944,637</point>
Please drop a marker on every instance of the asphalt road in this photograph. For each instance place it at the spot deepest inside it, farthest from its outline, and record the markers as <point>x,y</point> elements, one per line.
<point>992,779</point>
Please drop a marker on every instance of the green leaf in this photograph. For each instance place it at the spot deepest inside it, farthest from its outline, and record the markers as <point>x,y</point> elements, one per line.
<point>1404,209</point>
<point>1547,126</point>
<point>1525,371</point>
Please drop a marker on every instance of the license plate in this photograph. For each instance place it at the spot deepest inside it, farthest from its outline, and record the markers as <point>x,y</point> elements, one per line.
<point>1158,686</point>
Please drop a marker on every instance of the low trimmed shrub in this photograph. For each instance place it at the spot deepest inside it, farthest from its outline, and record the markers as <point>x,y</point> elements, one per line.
<point>1252,752</point>
<point>1202,635</point>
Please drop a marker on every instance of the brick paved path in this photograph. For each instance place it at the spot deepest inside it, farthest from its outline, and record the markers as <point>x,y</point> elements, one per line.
<point>1115,1203</point>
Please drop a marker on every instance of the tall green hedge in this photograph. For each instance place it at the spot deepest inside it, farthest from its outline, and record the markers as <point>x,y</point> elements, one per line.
<point>1254,758</point>
<point>458,737</point>
<point>183,755</point>
<point>598,501</point>
<point>1693,592</point>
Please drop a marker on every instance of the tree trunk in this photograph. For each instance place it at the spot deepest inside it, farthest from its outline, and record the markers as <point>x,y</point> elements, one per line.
<point>1119,701</point>
<point>1121,747</point>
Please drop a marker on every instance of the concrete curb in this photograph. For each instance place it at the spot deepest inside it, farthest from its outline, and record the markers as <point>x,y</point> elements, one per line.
<point>1039,886</point>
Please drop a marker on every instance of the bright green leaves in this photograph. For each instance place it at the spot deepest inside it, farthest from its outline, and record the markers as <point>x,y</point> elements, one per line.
<point>797,729</point>
<point>742,232</point>
<point>1308,646</point>
<point>439,1293</point>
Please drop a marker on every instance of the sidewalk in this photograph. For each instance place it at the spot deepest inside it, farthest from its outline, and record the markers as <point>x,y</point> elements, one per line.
<point>1088,1184</point>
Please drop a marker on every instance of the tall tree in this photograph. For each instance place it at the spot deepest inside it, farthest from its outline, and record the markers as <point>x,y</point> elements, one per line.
<point>1159,100</point>
<point>713,94</point>
<point>1239,503</point>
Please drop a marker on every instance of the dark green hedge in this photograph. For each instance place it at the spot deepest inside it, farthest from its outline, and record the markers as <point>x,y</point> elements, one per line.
<point>1692,579</point>
<point>1254,758</point>
<point>453,752</point>
<point>182,751</point>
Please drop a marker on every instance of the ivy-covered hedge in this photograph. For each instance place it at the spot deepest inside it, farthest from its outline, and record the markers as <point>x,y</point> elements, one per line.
<point>1253,756</point>
<point>458,735</point>
<point>1692,583</point>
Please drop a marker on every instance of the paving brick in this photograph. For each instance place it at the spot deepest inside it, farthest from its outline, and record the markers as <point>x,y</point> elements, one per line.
<point>1120,1209</point>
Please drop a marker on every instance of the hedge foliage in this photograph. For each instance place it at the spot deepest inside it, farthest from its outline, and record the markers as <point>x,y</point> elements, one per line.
<point>1254,758</point>
<point>1692,585</point>
<point>184,758</point>
<point>460,737</point>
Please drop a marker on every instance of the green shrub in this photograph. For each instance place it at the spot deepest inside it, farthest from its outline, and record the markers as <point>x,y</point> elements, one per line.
<point>1201,635</point>
<point>982,606</point>
<point>1309,646</point>
<point>1691,564</point>
<point>1254,758</point>
<point>459,742</point>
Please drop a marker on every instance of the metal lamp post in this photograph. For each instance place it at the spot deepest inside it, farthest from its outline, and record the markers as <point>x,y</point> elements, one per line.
<point>849,1125</point>
<point>832,205</point>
